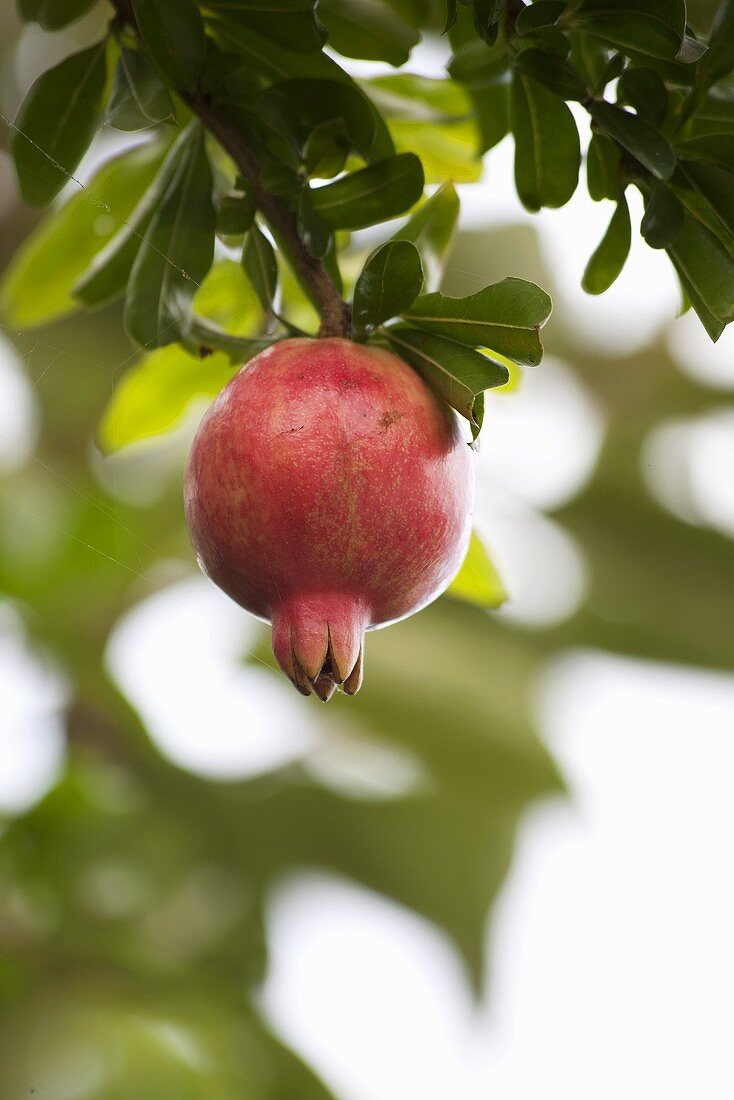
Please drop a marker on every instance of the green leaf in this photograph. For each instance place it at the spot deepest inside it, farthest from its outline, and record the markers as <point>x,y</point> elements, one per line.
<point>719,59</point>
<point>53,14</point>
<point>609,258</point>
<point>289,25</point>
<point>311,229</point>
<point>369,30</point>
<point>478,581</point>
<point>543,13</point>
<point>235,214</point>
<point>56,123</point>
<point>707,192</point>
<point>707,272</point>
<point>37,285</point>
<point>138,98</point>
<point>636,136</point>
<point>431,229</point>
<point>224,315</point>
<point>173,35</point>
<point>153,397</point>
<point>603,168</point>
<point>653,27</point>
<point>505,317</point>
<point>712,148</point>
<point>663,217</point>
<point>260,266</point>
<point>204,338</point>
<point>388,284</point>
<point>372,195</point>
<point>547,150</point>
<point>459,374</point>
<point>555,75</point>
<point>106,277</point>
<point>644,90</point>
<point>296,107</point>
<point>176,251</point>
<point>433,119</point>
<point>487,14</point>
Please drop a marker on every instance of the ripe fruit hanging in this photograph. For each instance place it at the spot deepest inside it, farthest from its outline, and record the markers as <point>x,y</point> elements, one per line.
<point>328,491</point>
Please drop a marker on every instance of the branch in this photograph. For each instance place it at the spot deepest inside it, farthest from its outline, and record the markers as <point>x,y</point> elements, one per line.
<point>335,313</point>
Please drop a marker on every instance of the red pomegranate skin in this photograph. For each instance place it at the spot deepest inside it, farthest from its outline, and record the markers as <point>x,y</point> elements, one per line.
<point>328,491</point>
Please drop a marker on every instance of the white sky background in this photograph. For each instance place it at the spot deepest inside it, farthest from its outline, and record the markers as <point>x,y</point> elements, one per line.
<point>612,954</point>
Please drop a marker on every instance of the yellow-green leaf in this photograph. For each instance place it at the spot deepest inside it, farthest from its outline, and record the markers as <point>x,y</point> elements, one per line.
<point>478,581</point>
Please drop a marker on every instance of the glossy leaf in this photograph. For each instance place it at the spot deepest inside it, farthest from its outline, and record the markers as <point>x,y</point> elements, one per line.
<point>458,373</point>
<point>235,214</point>
<point>37,286</point>
<point>371,195</point>
<point>431,229</point>
<point>603,168</point>
<point>138,98</point>
<point>176,251</point>
<point>653,27</point>
<point>638,137</point>
<point>106,277</point>
<point>260,266</point>
<point>711,148</point>
<point>388,284</point>
<point>287,24</point>
<point>56,123</point>
<point>707,192</point>
<point>505,317</point>
<point>372,31</point>
<point>609,258</point>
<point>53,14</point>
<point>173,35</point>
<point>644,90</point>
<point>296,107</point>
<point>547,149</point>
<point>555,75</point>
<point>706,271</point>
<point>478,581</point>
<point>663,217</point>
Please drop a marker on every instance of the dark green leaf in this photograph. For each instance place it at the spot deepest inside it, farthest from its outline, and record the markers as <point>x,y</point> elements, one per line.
<point>636,136</point>
<point>203,337</point>
<point>431,229</point>
<point>279,63</point>
<point>294,27</point>
<point>57,122</point>
<point>707,192</point>
<point>261,268</point>
<point>371,195</point>
<point>505,317</point>
<point>325,151</point>
<point>487,14</point>
<point>108,274</point>
<point>312,230</point>
<point>458,373</point>
<point>555,75</point>
<point>176,252</point>
<point>602,168</point>
<point>547,150</point>
<point>492,106</point>
<point>663,218</point>
<point>654,27</point>
<point>37,285</point>
<point>644,90</point>
<point>173,35</point>
<point>707,272</point>
<point>712,148</point>
<point>138,97</point>
<point>388,284</point>
<point>53,14</point>
<point>372,31</point>
<point>609,258</point>
<point>543,13</point>
<point>235,213</point>
<point>719,60</point>
<point>296,107</point>
<point>714,116</point>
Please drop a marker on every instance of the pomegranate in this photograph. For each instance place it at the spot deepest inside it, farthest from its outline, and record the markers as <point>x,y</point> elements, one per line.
<point>329,491</point>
